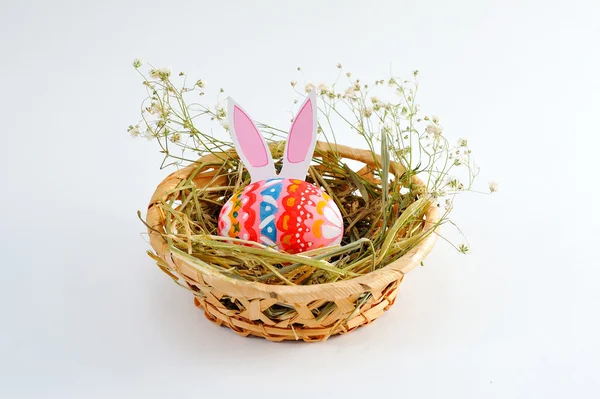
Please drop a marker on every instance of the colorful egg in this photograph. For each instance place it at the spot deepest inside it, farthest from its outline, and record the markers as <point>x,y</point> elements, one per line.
<point>288,214</point>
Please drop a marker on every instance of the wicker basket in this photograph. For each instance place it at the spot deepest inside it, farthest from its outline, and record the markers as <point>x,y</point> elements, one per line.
<point>240,305</point>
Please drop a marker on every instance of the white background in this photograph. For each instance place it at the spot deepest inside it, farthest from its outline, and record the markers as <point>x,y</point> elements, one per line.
<point>85,313</point>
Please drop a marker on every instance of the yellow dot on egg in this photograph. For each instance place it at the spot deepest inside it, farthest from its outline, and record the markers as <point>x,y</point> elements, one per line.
<point>317,228</point>
<point>285,221</point>
<point>320,207</point>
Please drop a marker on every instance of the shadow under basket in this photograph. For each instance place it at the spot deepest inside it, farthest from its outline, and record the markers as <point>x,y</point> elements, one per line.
<point>312,312</point>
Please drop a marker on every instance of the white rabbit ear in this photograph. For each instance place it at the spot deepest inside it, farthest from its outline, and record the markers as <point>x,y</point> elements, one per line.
<point>301,142</point>
<point>250,144</point>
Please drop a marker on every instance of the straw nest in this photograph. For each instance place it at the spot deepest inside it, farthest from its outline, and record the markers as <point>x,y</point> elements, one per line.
<point>255,290</point>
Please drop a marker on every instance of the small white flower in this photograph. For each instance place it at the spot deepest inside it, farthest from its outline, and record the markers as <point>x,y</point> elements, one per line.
<point>175,137</point>
<point>375,100</point>
<point>435,119</point>
<point>156,109</point>
<point>309,87</point>
<point>323,89</point>
<point>350,93</point>
<point>220,111</point>
<point>150,134</point>
<point>454,183</point>
<point>461,159</point>
<point>493,186</point>
<point>160,73</point>
<point>136,63</point>
<point>134,131</point>
<point>434,130</point>
<point>293,83</point>
<point>448,205</point>
<point>367,112</point>
<point>462,142</point>
<point>464,248</point>
<point>225,124</point>
<point>436,195</point>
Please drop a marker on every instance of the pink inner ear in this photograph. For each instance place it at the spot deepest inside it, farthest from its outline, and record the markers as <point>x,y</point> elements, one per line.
<point>301,135</point>
<point>249,139</point>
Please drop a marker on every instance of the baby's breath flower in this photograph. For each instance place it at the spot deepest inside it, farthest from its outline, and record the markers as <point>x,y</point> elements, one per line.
<point>134,131</point>
<point>137,63</point>
<point>461,158</point>
<point>367,112</point>
<point>324,89</point>
<point>293,83</point>
<point>448,205</point>
<point>339,65</point>
<point>160,73</point>
<point>454,183</point>
<point>225,124</point>
<point>464,248</point>
<point>493,186</point>
<point>200,83</point>
<point>150,134</point>
<point>348,74</point>
<point>350,93</point>
<point>220,111</point>
<point>435,119</point>
<point>434,130</point>
<point>175,137</point>
<point>436,195</point>
<point>156,109</point>
<point>309,87</point>
<point>375,100</point>
<point>462,142</point>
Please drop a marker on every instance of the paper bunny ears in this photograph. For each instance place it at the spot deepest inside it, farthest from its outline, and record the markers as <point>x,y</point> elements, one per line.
<point>254,152</point>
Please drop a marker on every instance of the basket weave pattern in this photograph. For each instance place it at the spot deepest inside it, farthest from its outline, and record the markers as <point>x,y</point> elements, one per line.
<point>251,308</point>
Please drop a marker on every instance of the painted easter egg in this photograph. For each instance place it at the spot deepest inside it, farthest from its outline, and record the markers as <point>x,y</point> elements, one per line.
<point>288,214</point>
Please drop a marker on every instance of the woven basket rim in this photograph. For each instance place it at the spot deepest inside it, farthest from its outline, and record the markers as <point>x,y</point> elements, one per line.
<point>377,279</point>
